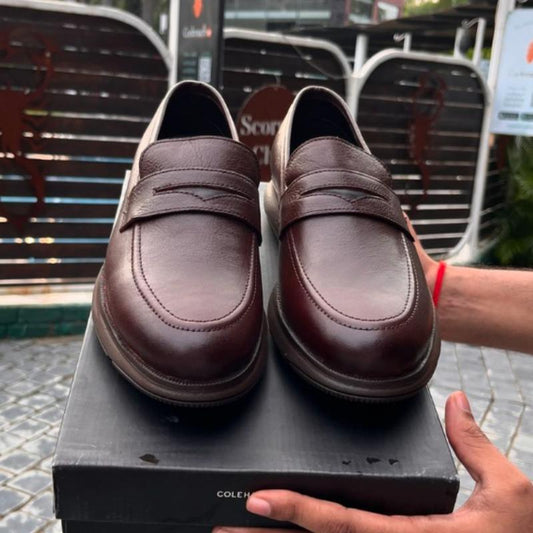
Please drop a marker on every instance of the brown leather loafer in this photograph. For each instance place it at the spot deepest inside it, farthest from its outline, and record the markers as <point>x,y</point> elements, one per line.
<point>352,312</point>
<point>177,305</point>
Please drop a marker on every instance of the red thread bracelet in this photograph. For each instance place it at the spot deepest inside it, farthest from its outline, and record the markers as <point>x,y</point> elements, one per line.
<point>438,282</point>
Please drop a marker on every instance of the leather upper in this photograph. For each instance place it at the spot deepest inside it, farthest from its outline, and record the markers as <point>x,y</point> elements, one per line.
<point>351,286</point>
<point>181,280</point>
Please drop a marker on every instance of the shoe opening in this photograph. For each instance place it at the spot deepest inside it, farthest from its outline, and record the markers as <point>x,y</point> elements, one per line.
<point>191,111</point>
<point>317,114</point>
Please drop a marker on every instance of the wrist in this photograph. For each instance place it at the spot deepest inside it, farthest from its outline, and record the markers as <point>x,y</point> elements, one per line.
<point>431,268</point>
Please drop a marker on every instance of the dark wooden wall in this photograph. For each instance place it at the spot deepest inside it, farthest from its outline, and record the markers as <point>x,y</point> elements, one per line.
<point>105,80</point>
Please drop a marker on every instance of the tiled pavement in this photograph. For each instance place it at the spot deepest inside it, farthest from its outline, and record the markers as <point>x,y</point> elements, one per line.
<point>34,382</point>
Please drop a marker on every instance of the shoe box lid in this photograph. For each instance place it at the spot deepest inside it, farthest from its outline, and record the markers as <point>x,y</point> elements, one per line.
<point>126,461</point>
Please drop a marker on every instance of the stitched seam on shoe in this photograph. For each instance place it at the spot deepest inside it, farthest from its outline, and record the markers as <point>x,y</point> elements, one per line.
<point>174,326</point>
<point>203,169</point>
<point>215,211</point>
<point>324,312</point>
<point>349,202</point>
<point>249,279</point>
<point>356,173</point>
<point>150,368</point>
<point>218,196</point>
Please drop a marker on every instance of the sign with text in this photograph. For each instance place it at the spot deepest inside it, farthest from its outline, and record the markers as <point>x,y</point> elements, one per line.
<point>200,40</point>
<point>512,113</point>
<point>259,120</point>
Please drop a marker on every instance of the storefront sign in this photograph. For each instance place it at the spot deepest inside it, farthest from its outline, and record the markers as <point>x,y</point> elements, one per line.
<point>259,120</point>
<point>513,100</point>
<point>200,40</point>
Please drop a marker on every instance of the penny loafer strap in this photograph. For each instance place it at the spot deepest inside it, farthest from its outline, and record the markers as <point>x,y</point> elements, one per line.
<point>333,191</point>
<point>176,191</point>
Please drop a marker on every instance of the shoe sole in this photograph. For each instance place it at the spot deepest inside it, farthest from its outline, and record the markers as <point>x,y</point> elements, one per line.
<point>326,379</point>
<point>340,385</point>
<point>166,389</point>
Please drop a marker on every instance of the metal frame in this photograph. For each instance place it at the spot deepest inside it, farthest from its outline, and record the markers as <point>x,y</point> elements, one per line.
<point>309,42</point>
<point>467,248</point>
<point>98,11</point>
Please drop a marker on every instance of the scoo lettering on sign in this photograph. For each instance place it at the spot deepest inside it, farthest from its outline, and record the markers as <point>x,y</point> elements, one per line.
<point>259,120</point>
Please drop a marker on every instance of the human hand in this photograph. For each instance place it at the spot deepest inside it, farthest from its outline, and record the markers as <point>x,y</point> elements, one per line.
<point>429,265</point>
<point>502,501</point>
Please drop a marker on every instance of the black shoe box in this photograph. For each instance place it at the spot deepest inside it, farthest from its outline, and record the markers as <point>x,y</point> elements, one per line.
<point>127,463</point>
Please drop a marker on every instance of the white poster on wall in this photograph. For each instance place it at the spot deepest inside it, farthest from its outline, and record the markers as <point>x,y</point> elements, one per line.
<point>512,113</point>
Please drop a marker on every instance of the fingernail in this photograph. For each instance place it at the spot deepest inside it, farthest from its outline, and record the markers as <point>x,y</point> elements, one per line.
<point>462,402</point>
<point>258,506</point>
<point>219,529</point>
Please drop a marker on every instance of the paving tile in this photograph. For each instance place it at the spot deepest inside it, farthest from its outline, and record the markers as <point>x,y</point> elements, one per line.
<point>11,376</point>
<point>46,465</point>
<point>462,497</point>
<point>21,522</point>
<point>33,481</point>
<point>13,412</point>
<point>22,388</point>
<point>37,401</point>
<point>4,475</point>
<point>18,460</point>
<point>42,505</point>
<point>54,527</point>
<point>29,428</point>
<point>50,415</point>
<point>5,398</point>
<point>59,390</point>
<point>8,442</point>
<point>11,499</point>
<point>42,446</point>
<point>501,423</point>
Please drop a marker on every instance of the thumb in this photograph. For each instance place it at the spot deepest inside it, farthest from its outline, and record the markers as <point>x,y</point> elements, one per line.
<point>479,456</point>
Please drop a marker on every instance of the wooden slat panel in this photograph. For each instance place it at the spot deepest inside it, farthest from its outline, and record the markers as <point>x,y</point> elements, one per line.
<point>434,153</point>
<point>87,147</point>
<point>448,198</point>
<point>444,242</point>
<point>43,251</point>
<point>96,62</point>
<point>404,89</point>
<point>93,81</point>
<point>311,61</point>
<point>425,212</point>
<point>447,227</point>
<point>106,83</point>
<point>66,210</point>
<point>63,19</point>
<point>107,125</point>
<point>142,107</point>
<point>403,120</point>
<point>85,38</point>
<point>72,168</point>
<point>59,230</point>
<point>376,136</point>
<point>254,80</point>
<point>78,271</point>
<point>55,189</point>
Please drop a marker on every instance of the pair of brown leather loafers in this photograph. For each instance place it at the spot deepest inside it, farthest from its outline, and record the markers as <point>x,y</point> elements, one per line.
<point>178,304</point>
